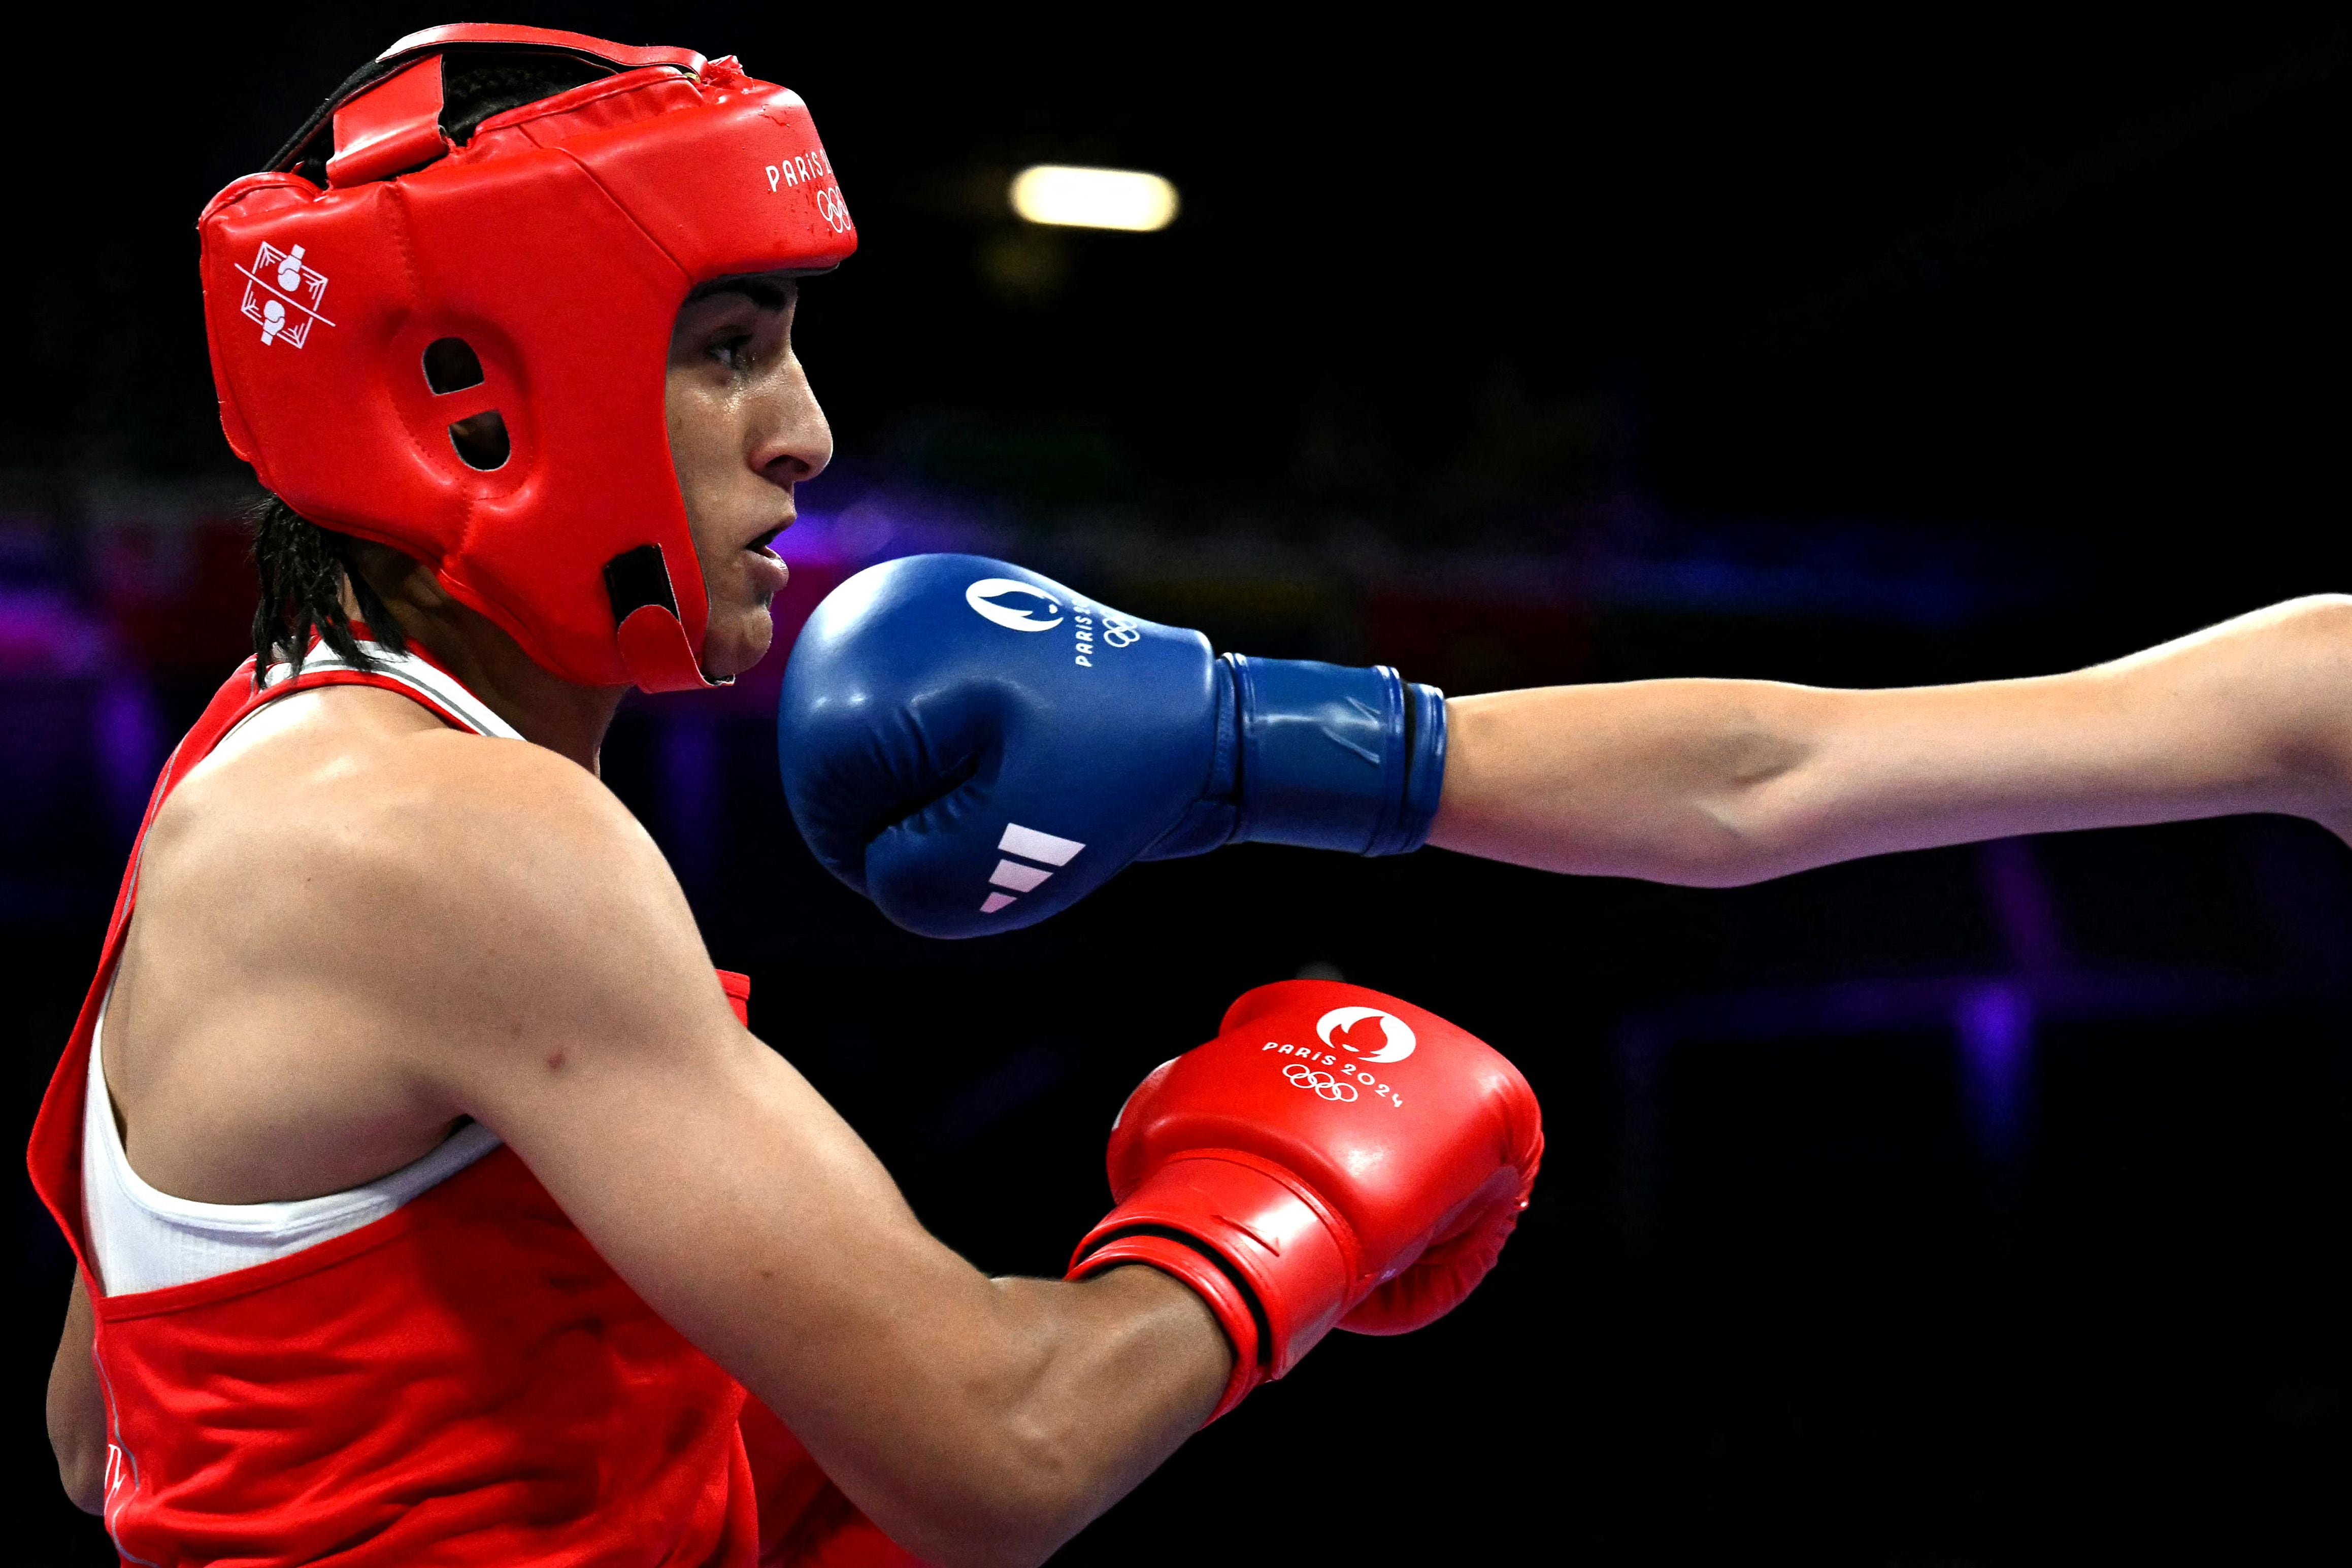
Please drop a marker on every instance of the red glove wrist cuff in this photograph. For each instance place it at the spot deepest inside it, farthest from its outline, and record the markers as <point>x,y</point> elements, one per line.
<point>1271,1260</point>
<point>1235,1312</point>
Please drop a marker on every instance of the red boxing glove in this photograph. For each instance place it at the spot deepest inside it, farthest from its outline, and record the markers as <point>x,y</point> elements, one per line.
<point>1334,1156</point>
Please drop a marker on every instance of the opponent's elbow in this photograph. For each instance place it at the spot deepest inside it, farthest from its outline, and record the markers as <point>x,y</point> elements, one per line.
<point>1737,817</point>
<point>2296,658</point>
<point>1733,838</point>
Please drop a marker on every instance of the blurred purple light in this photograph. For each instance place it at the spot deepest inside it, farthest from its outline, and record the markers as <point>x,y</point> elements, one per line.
<point>884,524</point>
<point>692,792</point>
<point>128,736</point>
<point>1995,1024</point>
<point>43,632</point>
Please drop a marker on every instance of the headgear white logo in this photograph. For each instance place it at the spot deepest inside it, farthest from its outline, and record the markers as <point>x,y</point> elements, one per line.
<point>982,596</point>
<point>1393,1029</point>
<point>282,294</point>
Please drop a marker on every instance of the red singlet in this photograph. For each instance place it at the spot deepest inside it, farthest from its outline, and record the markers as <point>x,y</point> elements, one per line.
<point>463,1382</point>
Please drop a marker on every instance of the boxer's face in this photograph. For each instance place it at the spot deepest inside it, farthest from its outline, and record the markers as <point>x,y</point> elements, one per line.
<point>743,429</point>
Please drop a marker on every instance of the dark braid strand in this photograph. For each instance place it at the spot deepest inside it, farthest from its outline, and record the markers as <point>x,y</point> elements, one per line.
<point>303,569</point>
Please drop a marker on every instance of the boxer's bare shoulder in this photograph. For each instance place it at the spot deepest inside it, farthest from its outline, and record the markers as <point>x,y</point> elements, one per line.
<point>345,899</point>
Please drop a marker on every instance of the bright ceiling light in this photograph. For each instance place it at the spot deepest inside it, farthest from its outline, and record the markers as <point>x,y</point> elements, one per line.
<point>1079,198</point>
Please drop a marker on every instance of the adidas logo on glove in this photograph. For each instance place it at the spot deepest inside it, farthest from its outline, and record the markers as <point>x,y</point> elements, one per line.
<point>1017,878</point>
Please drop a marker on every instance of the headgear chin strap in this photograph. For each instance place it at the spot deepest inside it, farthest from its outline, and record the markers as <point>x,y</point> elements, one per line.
<point>361,331</point>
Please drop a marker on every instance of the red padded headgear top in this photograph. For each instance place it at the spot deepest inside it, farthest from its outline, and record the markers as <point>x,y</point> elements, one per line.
<point>557,244</point>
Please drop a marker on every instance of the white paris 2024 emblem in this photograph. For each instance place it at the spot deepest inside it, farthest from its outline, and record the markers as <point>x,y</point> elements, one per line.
<point>983,597</point>
<point>282,294</point>
<point>1396,1033</point>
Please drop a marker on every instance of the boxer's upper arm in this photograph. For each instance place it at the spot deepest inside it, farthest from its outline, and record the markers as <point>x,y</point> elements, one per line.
<point>562,995</point>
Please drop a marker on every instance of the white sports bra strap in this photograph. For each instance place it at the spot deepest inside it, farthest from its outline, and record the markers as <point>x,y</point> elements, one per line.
<point>143,1240</point>
<point>413,673</point>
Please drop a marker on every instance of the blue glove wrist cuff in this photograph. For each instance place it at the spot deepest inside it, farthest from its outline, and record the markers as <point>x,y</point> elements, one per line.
<point>1209,824</point>
<point>1336,758</point>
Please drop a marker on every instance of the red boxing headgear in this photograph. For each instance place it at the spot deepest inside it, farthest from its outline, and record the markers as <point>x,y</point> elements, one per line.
<point>556,244</point>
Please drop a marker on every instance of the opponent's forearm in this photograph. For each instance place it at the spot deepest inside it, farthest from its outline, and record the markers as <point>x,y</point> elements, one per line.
<point>1716,783</point>
<point>1651,779</point>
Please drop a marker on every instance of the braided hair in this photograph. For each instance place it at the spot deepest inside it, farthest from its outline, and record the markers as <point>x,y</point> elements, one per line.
<point>303,567</point>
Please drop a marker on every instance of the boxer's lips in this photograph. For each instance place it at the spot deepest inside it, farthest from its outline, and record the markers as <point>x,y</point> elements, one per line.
<point>768,570</point>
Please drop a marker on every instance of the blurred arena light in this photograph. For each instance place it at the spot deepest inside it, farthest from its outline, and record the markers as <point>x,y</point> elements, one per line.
<point>1069,197</point>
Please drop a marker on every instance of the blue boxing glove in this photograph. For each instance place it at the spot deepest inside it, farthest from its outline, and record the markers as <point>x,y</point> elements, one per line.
<point>974,746</point>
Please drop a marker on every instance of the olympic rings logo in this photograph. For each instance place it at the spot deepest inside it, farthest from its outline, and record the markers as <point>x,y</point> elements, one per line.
<point>1305,1077</point>
<point>1120,632</point>
<point>833,209</point>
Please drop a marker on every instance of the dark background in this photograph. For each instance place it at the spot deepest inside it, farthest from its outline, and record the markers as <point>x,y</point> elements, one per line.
<point>1981,1205</point>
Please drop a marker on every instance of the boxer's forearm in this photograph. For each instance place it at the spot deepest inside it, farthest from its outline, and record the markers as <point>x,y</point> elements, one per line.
<point>978,1422</point>
<point>987,1424</point>
<point>1117,1373</point>
<point>1721,782</point>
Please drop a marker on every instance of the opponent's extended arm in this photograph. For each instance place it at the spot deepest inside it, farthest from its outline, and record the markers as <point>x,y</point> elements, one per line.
<point>1716,783</point>
<point>975,747</point>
